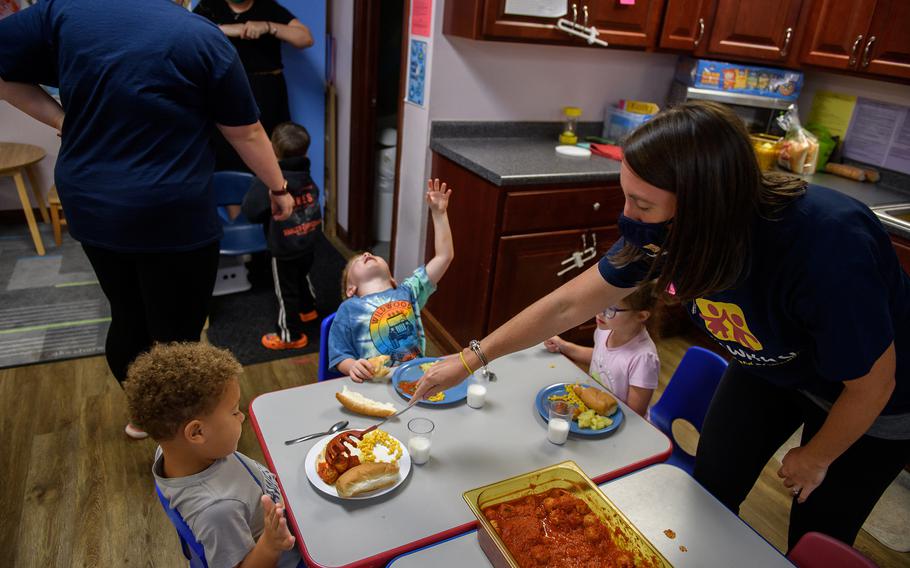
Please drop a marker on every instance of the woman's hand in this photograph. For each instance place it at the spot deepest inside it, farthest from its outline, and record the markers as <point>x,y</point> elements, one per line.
<point>232,30</point>
<point>282,206</point>
<point>253,30</point>
<point>441,376</point>
<point>801,473</point>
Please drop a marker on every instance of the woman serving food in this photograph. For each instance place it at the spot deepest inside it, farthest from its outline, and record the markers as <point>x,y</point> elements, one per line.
<point>800,285</point>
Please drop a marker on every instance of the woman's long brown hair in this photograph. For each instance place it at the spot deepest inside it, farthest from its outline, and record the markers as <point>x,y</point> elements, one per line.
<point>701,152</point>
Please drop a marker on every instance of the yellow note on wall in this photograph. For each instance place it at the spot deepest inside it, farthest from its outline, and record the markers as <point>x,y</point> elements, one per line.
<point>833,111</point>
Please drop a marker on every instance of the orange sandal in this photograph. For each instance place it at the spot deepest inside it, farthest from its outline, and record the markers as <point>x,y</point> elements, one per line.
<point>272,341</point>
<point>308,316</point>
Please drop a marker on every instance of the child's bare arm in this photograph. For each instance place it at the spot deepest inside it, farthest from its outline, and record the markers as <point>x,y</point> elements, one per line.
<point>275,538</point>
<point>639,398</point>
<point>358,369</point>
<point>579,354</point>
<point>444,250</point>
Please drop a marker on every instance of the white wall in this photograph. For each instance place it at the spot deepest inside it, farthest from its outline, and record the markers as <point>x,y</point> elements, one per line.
<point>483,80</point>
<point>343,32</point>
<point>849,85</point>
<point>18,127</point>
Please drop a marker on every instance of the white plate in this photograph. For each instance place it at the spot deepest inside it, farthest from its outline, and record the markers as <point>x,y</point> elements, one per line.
<point>309,466</point>
<point>573,151</point>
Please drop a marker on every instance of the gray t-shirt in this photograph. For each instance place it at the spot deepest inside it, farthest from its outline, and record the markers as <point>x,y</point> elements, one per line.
<point>221,506</point>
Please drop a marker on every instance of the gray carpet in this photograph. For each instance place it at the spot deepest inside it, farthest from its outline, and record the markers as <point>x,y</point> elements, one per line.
<point>51,307</point>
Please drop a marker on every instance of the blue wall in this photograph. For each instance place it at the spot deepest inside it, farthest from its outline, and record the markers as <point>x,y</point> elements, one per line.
<point>305,73</point>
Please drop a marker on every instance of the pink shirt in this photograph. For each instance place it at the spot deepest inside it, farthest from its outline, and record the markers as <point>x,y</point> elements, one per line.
<point>635,363</point>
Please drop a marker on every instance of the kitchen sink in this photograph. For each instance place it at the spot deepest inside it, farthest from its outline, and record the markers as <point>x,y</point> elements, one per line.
<point>897,215</point>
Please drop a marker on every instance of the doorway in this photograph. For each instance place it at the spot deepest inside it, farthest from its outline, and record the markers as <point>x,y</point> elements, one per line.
<point>376,101</point>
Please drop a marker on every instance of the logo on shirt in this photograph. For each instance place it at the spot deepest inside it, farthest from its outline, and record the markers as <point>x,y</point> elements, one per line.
<point>727,323</point>
<point>393,329</point>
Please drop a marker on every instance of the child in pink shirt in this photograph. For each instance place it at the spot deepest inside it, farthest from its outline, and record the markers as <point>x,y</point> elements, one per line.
<point>624,358</point>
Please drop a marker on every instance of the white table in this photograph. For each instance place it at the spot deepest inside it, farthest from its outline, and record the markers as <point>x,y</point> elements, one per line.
<point>471,448</point>
<point>654,499</point>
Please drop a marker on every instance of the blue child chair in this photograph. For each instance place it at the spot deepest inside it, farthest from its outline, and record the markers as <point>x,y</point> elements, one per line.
<point>324,372</point>
<point>687,396</point>
<point>240,236</point>
<point>192,550</point>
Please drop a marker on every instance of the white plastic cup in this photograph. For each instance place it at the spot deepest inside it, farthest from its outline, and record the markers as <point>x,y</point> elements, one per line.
<point>560,422</point>
<point>477,395</point>
<point>420,432</point>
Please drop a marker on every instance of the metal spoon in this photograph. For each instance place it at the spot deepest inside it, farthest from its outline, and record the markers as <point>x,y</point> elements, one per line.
<point>335,428</point>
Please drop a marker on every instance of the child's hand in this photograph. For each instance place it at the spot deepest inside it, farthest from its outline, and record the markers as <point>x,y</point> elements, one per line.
<point>361,370</point>
<point>437,196</point>
<point>554,344</point>
<point>276,533</point>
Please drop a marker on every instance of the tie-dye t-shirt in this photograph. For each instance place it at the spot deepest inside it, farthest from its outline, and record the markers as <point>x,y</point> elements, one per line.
<point>384,323</point>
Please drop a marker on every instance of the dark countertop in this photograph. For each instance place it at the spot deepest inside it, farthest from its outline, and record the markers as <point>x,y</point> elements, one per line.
<point>523,153</point>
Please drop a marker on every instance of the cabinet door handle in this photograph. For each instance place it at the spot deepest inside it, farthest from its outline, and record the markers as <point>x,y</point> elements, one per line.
<point>596,206</point>
<point>856,42</point>
<point>701,31</point>
<point>868,51</point>
<point>574,13</point>
<point>584,10</point>
<point>787,38</point>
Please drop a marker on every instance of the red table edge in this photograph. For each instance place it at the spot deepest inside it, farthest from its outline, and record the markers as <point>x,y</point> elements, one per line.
<point>383,558</point>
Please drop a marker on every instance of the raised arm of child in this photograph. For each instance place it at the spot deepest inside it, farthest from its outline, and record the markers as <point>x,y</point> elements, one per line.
<point>444,250</point>
<point>579,354</point>
<point>275,538</point>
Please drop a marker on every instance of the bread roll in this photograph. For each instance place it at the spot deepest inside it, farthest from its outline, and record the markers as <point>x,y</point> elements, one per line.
<point>356,402</point>
<point>366,477</point>
<point>379,366</point>
<point>597,400</point>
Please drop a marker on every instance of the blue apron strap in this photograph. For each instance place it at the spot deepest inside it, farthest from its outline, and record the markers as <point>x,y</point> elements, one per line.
<point>250,471</point>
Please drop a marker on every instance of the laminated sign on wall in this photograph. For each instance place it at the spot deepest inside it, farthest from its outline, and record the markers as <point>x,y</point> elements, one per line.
<point>879,134</point>
<point>417,72</point>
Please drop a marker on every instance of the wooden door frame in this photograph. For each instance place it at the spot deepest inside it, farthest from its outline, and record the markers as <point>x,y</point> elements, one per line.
<point>362,136</point>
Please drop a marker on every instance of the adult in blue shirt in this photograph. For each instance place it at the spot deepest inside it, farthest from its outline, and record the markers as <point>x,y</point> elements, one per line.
<point>799,285</point>
<point>143,85</point>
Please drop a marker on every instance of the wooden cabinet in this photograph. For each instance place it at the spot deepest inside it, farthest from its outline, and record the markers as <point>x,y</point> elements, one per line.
<point>887,50</point>
<point>620,25</point>
<point>686,25</point>
<point>528,266</point>
<point>835,32</point>
<point>763,30</point>
<point>510,243</point>
<point>868,36</point>
<point>902,248</point>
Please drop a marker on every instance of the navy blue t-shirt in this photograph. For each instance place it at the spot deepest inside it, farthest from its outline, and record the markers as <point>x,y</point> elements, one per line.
<point>824,297</point>
<point>143,84</point>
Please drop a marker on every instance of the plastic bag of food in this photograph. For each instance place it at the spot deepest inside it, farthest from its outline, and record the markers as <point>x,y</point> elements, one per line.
<point>799,148</point>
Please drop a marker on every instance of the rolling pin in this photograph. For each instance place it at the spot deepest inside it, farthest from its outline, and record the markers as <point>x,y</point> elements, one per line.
<point>852,172</point>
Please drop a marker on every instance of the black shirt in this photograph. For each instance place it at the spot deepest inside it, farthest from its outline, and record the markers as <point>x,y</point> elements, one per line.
<point>258,55</point>
<point>824,296</point>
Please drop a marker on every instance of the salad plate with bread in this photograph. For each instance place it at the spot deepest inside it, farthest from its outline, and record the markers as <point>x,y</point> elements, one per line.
<point>595,411</point>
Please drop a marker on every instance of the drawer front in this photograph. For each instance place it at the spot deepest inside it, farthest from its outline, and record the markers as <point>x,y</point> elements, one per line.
<point>545,210</point>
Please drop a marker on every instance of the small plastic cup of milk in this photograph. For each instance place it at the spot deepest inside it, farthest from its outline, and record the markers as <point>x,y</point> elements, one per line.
<point>477,391</point>
<point>420,431</point>
<point>560,420</point>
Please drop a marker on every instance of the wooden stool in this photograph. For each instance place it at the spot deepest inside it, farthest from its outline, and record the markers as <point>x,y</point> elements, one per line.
<point>14,160</point>
<point>57,218</point>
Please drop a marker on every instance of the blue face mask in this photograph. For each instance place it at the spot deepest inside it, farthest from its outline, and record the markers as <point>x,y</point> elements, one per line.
<point>649,237</point>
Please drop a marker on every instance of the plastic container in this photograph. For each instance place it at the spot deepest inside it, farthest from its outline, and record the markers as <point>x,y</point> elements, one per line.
<point>740,78</point>
<point>570,126</point>
<point>619,123</point>
<point>766,148</point>
<point>566,475</point>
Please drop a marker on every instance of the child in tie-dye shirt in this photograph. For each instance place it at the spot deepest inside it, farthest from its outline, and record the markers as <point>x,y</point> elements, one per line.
<point>379,317</point>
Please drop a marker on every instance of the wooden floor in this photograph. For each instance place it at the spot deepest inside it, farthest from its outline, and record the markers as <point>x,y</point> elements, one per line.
<point>76,492</point>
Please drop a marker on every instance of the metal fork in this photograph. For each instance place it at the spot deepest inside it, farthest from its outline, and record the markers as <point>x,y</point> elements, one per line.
<point>362,433</point>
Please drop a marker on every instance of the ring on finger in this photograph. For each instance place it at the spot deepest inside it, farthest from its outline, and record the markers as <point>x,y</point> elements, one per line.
<point>796,490</point>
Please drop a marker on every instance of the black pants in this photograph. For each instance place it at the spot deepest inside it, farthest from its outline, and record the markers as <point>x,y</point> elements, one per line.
<point>292,288</point>
<point>154,297</point>
<point>750,418</point>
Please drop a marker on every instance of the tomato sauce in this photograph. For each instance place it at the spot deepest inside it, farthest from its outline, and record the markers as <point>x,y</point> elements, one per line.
<point>408,387</point>
<point>556,529</point>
